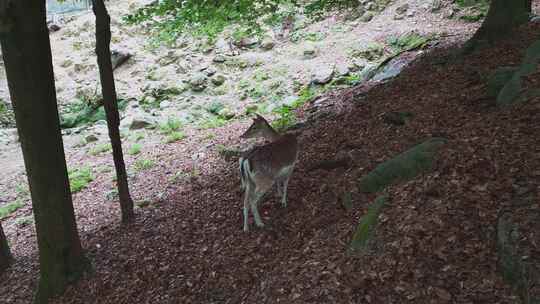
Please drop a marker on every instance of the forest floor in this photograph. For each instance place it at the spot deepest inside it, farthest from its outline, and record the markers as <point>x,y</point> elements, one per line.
<point>437,237</point>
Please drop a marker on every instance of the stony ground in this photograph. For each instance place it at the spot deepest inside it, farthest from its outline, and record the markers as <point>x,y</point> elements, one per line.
<point>435,243</point>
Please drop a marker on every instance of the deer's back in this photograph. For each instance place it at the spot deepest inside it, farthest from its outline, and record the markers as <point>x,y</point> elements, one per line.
<point>273,158</point>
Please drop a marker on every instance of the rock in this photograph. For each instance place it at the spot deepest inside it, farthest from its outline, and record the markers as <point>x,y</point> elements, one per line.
<point>165,104</point>
<point>267,43</point>
<point>139,120</point>
<point>342,69</point>
<point>246,42</point>
<point>535,19</point>
<point>354,13</point>
<point>323,75</point>
<point>226,113</point>
<point>435,6</point>
<point>66,63</point>
<point>170,58</point>
<point>118,58</point>
<point>310,51</point>
<point>218,80</point>
<point>399,17</point>
<point>367,17</point>
<point>220,58</point>
<point>410,14</point>
<point>91,138</point>
<point>402,9</point>
<point>53,27</point>
<point>370,6</point>
<point>210,71</point>
<point>198,82</point>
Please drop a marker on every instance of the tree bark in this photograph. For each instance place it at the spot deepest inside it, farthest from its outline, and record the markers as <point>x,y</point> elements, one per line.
<point>503,16</point>
<point>103,51</point>
<point>28,62</point>
<point>5,254</point>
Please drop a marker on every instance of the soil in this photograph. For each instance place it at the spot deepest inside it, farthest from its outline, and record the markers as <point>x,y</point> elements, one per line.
<point>435,241</point>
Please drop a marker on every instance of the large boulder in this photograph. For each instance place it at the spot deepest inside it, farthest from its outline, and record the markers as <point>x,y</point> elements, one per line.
<point>138,120</point>
<point>323,75</point>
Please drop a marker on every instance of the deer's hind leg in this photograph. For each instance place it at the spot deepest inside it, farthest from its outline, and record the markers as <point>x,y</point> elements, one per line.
<point>246,205</point>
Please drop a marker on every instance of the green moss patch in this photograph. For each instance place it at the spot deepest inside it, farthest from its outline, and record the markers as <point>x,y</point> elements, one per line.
<point>405,166</point>
<point>364,232</point>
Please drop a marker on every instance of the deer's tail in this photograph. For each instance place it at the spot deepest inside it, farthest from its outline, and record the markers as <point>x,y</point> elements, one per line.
<point>244,172</point>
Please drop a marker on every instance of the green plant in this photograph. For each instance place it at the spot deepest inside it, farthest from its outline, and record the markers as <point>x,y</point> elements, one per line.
<point>372,52</point>
<point>203,18</point>
<point>212,122</point>
<point>174,137</point>
<point>101,148</point>
<point>79,178</point>
<point>143,164</point>
<point>408,41</point>
<point>24,221</point>
<point>9,208</point>
<point>171,125</point>
<point>85,111</point>
<point>135,149</point>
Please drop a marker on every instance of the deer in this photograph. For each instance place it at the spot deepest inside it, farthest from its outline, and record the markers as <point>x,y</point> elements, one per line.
<point>266,165</point>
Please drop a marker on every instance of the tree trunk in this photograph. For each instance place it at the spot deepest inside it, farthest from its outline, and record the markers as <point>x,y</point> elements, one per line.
<point>5,255</point>
<point>503,16</point>
<point>103,51</point>
<point>28,63</point>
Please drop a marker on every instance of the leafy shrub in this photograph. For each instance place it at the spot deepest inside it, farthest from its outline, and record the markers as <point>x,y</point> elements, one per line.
<point>83,112</point>
<point>143,164</point>
<point>204,17</point>
<point>101,148</point>
<point>135,149</point>
<point>79,178</point>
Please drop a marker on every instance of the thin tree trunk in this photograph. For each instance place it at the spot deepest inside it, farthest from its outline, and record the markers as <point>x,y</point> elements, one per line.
<point>5,254</point>
<point>28,63</point>
<point>103,51</point>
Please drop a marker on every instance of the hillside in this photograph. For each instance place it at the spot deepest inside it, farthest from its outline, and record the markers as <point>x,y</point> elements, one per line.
<point>438,236</point>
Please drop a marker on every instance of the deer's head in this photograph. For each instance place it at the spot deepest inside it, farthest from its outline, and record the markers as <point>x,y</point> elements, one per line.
<point>259,128</point>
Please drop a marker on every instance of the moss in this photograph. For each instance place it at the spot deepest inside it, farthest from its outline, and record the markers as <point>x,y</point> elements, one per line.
<point>9,208</point>
<point>402,167</point>
<point>366,226</point>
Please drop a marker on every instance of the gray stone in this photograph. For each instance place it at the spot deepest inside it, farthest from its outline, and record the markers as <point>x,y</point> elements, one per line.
<point>218,80</point>
<point>435,5</point>
<point>323,75</point>
<point>118,58</point>
<point>342,69</point>
<point>139,120</point>
<point>402,9</point>
<point>198,82</point>
<point>267,43</point>
<point>247,42</point>
<point>91,138</point>
<point>535,19</point>
<point>310,51</point>
<point>226,113</point>
<point>354,13</point>
<point>210,71</point>
<point>165,104</point>
<point>367,17</point>
<point>220,58</point>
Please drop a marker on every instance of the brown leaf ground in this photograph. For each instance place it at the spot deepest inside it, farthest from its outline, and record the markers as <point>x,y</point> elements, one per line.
<point>435,242</point>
